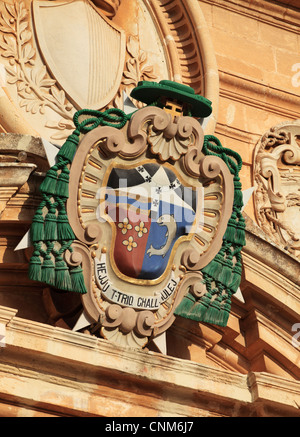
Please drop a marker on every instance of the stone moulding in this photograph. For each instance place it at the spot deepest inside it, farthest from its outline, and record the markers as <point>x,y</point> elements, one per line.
<point>20,156</point>
<point>183,24</point>
<point>61,355</point>
<point>12,177</point>
<point>270,99</point>
<point>277,258</point>
<point>271,13</point>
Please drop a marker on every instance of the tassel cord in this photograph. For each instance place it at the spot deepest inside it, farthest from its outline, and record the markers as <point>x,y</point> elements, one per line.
<point>50,224</point>
<point>113,117</point>
<point>222,275</point>
<point>226,154</point>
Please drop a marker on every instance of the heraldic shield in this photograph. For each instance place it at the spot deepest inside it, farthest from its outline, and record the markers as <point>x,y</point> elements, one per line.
<point>142,217</point>
<point>88,64</point>
<point>149,209</point>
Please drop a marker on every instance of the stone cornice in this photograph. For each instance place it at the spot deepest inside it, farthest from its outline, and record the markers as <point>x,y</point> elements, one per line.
<point>77,374</point>
<point>274,337</point>
<point>259,95</point>
<point>236,134</point>
<point>265,387</point>
<point>265,250</point>
<point>284,14</point>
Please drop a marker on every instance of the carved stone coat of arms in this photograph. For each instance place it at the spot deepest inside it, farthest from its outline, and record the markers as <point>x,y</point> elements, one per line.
<point>145,212</point>
<point>134,216</point>
<point>277,177</point>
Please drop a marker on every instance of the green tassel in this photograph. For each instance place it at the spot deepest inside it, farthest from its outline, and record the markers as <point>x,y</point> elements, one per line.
<point>212,315</point>
<point>236,278</point>
<point>68,149</point>
<point>198,312</point>
<point>221,270</point>
<point>236,221</point>
<point>230,234</point>
<point>49,183</point>
<point>199,309</point>
<point>235,283</point>
<point>214,267</point>
<point>62,275</point>
<point>237,184</point>
<point>48,272</point>
<point>225,311</point>
<point>62,186</point>
<point>240,233</point>
<point>37,227</point>
<point>56,185</point>
<point>227,305</point>
<point>184,308</point>
<point>217,317</point>
<point>226,273</point>
<point>64,230</point>
<point>238,199</point>
<point>217,313</point>
<point>77,279</point>
<point>34,270</point>
<point>50,227</point>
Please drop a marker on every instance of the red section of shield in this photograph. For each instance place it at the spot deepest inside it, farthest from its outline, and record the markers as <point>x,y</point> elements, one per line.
<point>132,230</point>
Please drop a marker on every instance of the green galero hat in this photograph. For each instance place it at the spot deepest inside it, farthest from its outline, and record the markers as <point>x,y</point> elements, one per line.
<point>150,92</point>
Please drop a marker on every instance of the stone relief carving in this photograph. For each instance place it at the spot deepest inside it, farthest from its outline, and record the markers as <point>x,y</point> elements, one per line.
<point>277,179</point>
<point>126,307</point>
<point>46,80</point>
<point>35,88</point>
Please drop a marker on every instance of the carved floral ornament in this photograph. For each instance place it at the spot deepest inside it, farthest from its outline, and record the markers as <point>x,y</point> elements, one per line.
<point>109,56</point>
<point>147,232</point>
<point>277,178</point>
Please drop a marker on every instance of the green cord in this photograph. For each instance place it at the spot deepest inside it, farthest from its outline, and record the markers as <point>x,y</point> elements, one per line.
<point>223,274</point>
<point>54,228</point>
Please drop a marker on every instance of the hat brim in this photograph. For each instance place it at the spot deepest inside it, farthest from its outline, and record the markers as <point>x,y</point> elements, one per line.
<point>149,92</point>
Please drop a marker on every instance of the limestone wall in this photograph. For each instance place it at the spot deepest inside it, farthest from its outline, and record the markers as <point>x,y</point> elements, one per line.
<point>250,69</point>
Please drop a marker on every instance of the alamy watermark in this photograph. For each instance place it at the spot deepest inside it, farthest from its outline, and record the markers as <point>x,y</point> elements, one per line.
<point>139,202</point>
<point>2,335</point>
<point>296,336</point>
<point>296,76</point>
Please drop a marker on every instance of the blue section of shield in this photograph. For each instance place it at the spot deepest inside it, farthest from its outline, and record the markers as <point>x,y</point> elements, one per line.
<point>167,225</point>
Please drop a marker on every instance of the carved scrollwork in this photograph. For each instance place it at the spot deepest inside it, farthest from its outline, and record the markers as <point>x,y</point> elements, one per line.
<point>169,139</point>
<point>92,233</point>
<point>277,177</point>
<point>113,141</point>
<point>114,316</point>
<point>198,289</point>
<point>176,138</point>
<point>73,259</point>
<point>198,165</point>
<point>145,323</point>
<point>128,319</point>
<point>209,167</point>
<point>192,281</point>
